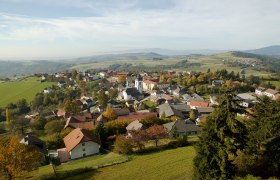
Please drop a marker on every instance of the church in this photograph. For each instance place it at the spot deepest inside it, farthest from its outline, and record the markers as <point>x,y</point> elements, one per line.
<point>136,92</point>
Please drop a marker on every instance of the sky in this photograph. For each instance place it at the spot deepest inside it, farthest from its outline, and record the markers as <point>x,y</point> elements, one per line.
<point>75,28</point>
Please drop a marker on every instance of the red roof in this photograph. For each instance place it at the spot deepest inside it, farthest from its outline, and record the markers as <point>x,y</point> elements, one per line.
<point>78,136</point>
<point>199,104</point>
<point>169,75</point>
<point>137,115</point>
<point>150,82</point>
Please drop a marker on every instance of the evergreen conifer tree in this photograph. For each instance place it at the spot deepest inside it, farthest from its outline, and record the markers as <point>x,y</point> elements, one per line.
<point>220,139</point>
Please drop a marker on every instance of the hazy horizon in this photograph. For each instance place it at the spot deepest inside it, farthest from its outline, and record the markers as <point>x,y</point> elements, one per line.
<point>51,29</point>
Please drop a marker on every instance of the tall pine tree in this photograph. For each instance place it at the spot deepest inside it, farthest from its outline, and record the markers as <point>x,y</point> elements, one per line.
<point>219,141</point>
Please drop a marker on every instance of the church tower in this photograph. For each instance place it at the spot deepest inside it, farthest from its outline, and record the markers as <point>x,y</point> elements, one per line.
<point>139,83</point>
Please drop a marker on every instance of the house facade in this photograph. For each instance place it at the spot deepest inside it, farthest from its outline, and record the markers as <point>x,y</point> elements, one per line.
<point>80,143</point>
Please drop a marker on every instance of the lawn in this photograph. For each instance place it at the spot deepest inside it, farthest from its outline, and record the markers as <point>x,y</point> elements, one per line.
<point>27,88</point>
<point>77,167</point>
<point>275,83</point>
<point>168,164</point>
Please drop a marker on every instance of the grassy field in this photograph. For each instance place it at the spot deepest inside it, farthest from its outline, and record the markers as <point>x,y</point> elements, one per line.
<point>27,88</point>
<point>275,83</point>
<point>167,164</point>
<point>77,167</point>
<point>214,62</point>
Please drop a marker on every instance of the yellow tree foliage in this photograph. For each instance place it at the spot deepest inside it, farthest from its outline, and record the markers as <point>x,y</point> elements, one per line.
<point>17,158</point>
<point>8,116</point>
<point>121,79</point>
<point>110,114</point>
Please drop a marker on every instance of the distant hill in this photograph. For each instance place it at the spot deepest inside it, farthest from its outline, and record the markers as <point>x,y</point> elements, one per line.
<point>10,68</point>
<point>169,52</point>
<point>268,51</point>
<point>123,56</point>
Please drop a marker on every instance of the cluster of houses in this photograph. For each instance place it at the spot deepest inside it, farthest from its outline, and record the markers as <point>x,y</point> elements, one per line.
<point>261,91</point>
<point>171,101</point>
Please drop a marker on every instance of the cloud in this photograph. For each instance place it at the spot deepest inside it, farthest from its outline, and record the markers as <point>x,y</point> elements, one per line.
<point>192,24</point>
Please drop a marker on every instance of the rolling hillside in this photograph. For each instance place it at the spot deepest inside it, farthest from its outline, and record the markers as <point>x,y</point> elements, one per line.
<point>268,51</point>
<point>12,91</point>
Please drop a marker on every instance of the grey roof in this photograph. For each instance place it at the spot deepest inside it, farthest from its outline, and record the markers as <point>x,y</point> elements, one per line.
<point>181,126</point>
<point>168,110</point>
<point>204,109</point>
<point>134,126</point>
<point>132,92</point>
<point>169,126</point>
<point>121,112</point>
<point>182,107</point>
<point>246,96</point>
<point>32,140</point>
<point>186,96</point>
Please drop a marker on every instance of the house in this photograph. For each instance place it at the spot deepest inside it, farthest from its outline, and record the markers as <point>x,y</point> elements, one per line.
<point>114,104</point>
<point>80,121</point>
<point>166,110</point>
<point>103,74</point>
<point>217,82</point>
<point>184,108</point>
<point>47,90</point>
<point>181,128</point>
<point>260,91</point>
<point>132,94</point>
<point>186,96</point>
<point>135,125</point>
<point>61,84</point>
<point>214,99</point>
<point>197,103</point>
<point>271,93</point>
<point>137,115</point>
<point>204,110</point>
<point>80,143</point>
<point>33,141</point>
<point>274,94</point>
<point>180,91</point>
<point>121,111</point>
<point>149,85</point>
<point>60,113</point>
<point>247,99</point>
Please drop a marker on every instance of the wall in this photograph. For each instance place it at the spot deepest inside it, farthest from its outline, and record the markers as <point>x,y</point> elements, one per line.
<point>90,148</point>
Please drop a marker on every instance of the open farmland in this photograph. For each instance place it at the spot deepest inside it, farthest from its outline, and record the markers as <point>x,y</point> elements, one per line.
<point>214,62</point>
<point>27,88</point>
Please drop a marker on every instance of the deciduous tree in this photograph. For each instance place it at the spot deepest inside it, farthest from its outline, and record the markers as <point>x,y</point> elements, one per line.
<point>16,158</point>
<point>110,114</point>
<point>157,132</point>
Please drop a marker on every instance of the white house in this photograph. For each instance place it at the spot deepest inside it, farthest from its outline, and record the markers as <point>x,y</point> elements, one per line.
<point>149,85</point>
<point>80,143</point>
<point>267,92</point>
<point>271,93</point>
<point>260,91</point>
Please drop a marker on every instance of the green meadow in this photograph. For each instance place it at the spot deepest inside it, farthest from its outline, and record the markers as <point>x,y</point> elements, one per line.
<point>168,164</point>
<point>26,88</point>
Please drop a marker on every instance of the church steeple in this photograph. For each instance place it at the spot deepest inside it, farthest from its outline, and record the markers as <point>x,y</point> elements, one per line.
<point>139,83</point>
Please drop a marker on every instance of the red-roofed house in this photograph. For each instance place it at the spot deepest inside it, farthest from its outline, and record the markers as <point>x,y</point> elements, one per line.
<point>194,104</point>
<point>80,143</point>
<point>149,85</point>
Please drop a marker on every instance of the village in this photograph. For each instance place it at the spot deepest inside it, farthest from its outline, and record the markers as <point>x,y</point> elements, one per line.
<point>161,105</point>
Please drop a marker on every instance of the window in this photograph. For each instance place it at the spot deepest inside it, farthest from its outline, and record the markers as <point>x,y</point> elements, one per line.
<point>84,154</point>
<point>84,149</point>
<point>83,144</point>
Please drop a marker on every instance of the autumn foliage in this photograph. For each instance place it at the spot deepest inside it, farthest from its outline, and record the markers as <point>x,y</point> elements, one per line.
<point>17,158</point>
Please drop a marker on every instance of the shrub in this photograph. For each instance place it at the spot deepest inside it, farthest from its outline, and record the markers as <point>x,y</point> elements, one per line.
<point>122,145</point>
